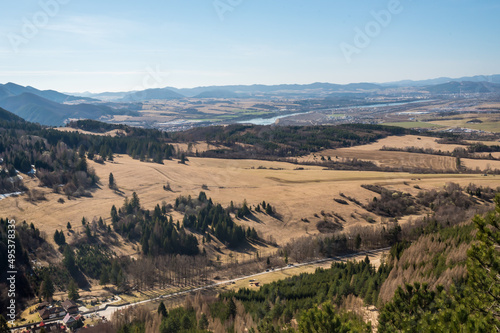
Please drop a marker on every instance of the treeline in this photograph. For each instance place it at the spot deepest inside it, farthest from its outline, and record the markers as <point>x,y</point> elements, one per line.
<point>203,216</point>
<point>284,141</point>
<point>26,239</point>
<point>156,231</point>
<point>144,144</point>
<point>95,126</point>
<point>469,152</point>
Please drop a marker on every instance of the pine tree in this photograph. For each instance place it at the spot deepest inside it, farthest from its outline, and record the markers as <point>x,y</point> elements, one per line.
<point>231,309</point>
<point>4,328</point>
<point>73,291</point>
<point>68,226</point>
<point>112,184</point>
<point>47,288</point>
<point>162,310</point>
<point>104,278</point>
<point>114,214</point>
<point>269,210</point>
<point>483,265</point>
<point>203,323</point>
<point>69,260</point>
<point>135,203</point>
<point>90,153</point>
<point>358,241</point>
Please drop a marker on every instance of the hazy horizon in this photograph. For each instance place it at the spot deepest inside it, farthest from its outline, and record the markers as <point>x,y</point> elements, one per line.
<point>72,46</point>
<point>252,84</point>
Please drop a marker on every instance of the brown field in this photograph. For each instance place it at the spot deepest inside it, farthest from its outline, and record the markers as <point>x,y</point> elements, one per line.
<point>409,141</point>
<point>483,165</point>
<point>199,147</point>
<point>295,194</point>
<point>112,133</point>
<point>391,159</point>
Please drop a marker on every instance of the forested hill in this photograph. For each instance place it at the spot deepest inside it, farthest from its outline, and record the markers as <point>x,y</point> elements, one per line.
<point>285,141</point>
<point>9,116</point>
<point>61,157</point>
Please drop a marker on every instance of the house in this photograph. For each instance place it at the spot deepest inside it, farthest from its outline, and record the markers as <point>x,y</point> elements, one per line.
<point>52,327</point>
<point>70,306</point>
<point>57,311</point>
<point>69,320</point>
<point>44,313</point>
<point>51,312</point>
<point>43,305</point>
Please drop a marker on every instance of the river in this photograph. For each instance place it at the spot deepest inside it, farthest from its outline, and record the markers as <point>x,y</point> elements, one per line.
<point>270,121</point>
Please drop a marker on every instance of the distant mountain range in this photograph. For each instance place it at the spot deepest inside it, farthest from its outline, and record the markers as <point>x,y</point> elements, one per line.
<point>150,94</point>
<point>478,78</point>
<point>465,87</point>
<point>45,107</point>
<point>37,109</point>
<point>12,89</point>
<point>314,90</point>
<point>235,91</point>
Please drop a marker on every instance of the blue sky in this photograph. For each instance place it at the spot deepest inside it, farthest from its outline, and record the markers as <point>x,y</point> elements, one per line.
<point>88,45</point>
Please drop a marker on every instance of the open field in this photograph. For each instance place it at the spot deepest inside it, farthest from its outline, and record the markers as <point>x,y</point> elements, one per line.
<point>296,194</point>
<point>413,124</point>
<point>391,159</point>
<point>394,159</point>
<point>488,124</point>
<point>408,141</point>
<point>109,133</point>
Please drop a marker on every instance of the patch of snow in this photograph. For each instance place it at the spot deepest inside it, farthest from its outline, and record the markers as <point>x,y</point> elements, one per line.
<point>6,195</point>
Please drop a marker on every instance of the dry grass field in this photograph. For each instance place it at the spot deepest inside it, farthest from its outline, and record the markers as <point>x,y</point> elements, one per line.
<point>296,194</point>
<point>112,133</point>
<point>394,159</point>
<point>409,141</point>
<point>488,124</point>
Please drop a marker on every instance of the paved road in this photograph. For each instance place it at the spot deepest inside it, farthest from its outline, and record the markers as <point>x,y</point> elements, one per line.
<point>108,312</point>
